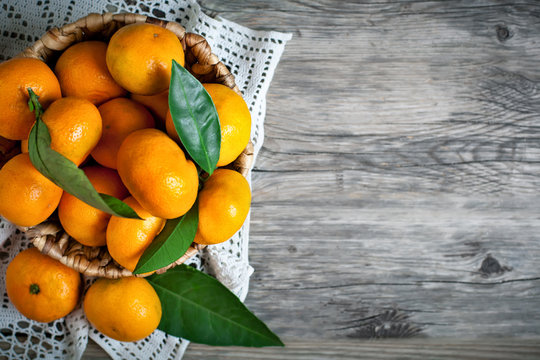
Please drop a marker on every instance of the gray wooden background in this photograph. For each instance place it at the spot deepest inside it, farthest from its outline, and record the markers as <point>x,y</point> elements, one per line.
<point>397,192</point>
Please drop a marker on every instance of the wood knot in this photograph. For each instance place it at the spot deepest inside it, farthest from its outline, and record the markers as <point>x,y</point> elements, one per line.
<point>491,266</point>
<point>503,33</point>
<point>392,323</point>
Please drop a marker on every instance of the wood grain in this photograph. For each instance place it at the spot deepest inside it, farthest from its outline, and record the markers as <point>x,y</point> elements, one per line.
<point>489,349</point>
<point>396,194</point>
<point>502,349</point>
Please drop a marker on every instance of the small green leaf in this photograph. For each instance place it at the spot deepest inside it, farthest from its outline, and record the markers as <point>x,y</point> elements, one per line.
<point>171,243</point>
<point>195,118</point>
<point>63,172</point>
<point>199,308</point>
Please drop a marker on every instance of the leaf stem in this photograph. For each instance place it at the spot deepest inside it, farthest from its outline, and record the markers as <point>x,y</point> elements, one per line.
<point>34,105</point>
<point>203,176</point>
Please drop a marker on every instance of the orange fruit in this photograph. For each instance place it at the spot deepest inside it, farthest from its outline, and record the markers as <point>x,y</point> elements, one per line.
<point>27,198</point>
<point>83,222</point>
<point>42,288</point>
<point>157,174</point>
<point>17,76</point>
<point>126,309</point>
<point>139,57</point>
<point>157,104</point>
<point>24,145</point>
<point>120,117</point>
<point>128,238</point>
<point>234,119</point>
<point>82,72</point>
<point>171,130</point>
<point>224,203</point>
<point>75,127</point>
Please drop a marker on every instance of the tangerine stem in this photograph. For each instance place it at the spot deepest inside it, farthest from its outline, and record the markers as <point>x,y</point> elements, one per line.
<point>34,289</point>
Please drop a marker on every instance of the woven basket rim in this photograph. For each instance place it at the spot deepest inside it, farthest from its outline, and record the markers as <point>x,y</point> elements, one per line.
<point>49,237</point>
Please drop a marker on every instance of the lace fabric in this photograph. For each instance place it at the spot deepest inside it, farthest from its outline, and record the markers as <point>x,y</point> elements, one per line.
<point>251,56</point>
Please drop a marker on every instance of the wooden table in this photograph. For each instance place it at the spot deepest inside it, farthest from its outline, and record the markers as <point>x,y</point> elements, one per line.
<point>397,192</point>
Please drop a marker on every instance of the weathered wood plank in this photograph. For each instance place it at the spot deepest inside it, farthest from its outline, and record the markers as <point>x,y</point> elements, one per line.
<point>422,258</point>
<point>94,352</point>
<point>492,349</point>
<point>425,349</point>
<point>397,190</point>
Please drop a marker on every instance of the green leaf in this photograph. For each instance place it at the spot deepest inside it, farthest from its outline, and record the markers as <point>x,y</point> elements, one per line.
<point>171,243</point>
<point>63,172</point>
<point>199,308</point>
<point>195,118</point>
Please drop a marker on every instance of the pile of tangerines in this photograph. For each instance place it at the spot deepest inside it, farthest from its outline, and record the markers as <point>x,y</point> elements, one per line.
<point>106,108</point>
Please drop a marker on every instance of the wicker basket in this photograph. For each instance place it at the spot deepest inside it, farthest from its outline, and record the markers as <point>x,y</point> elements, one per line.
<point>49,237</point>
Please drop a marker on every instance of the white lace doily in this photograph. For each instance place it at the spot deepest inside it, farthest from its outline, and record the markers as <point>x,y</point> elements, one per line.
<point>252,57</point>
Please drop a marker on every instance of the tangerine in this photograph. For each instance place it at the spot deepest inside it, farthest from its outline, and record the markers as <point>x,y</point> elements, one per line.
<point>126,309</point>
<point>234,119</point>
<point>17,76</point>
<point>27,198</point>
<point>224,203</point>
<point>157,173</point>
<point>139,57</point>
<point>82,72</point>
<point>157,104</point>
<point>171,130</point>
<point>128,238</point>
<point>83,222</point>
<point>120,117</point>
<point>75,127</point>
<point>42,288</point>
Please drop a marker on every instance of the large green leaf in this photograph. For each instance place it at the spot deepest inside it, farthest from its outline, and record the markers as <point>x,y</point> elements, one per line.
<point>64,172</point>
<point>199,308</point>
<point>171,243</point>
<point>195,118</point>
